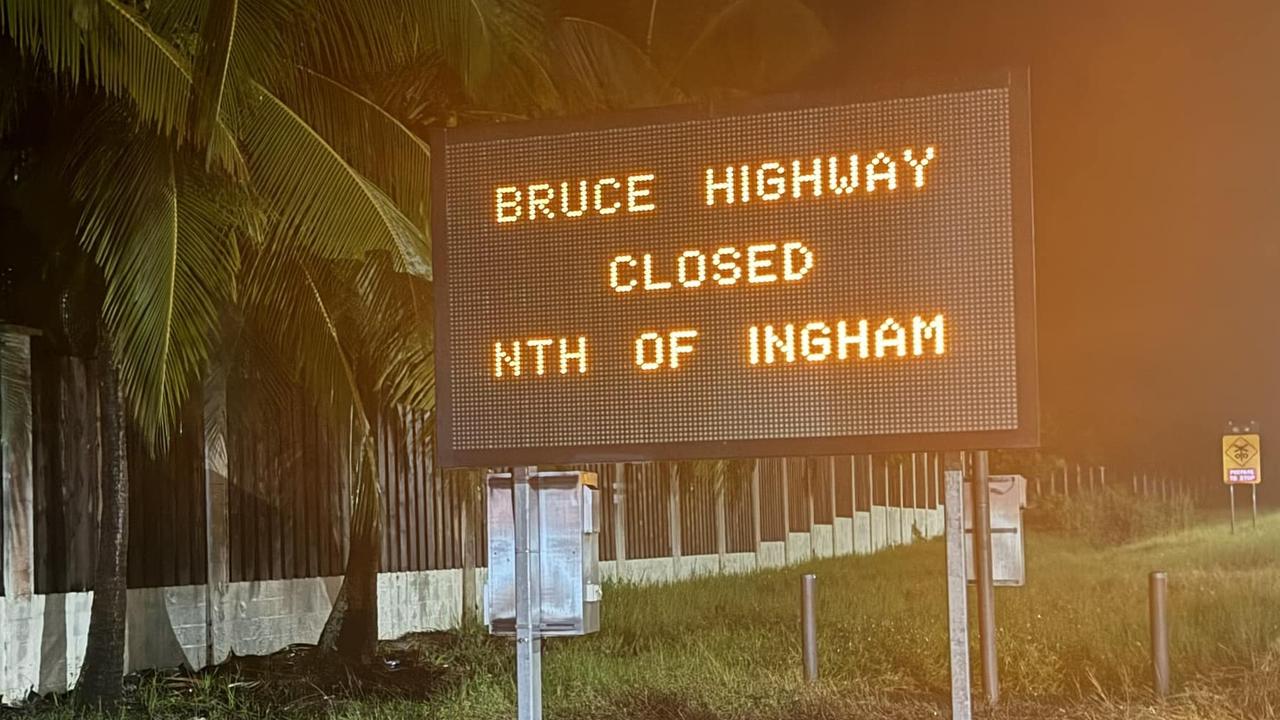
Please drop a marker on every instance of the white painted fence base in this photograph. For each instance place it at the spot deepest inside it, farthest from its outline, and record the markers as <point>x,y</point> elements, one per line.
<point>42,637</point>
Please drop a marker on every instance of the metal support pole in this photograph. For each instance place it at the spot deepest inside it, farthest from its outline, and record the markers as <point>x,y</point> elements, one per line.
<point>957,589</point>
<point>984,574</point>
<point>528,597</point>
<point>1159,604</point>
<point>1254,488</point>
<point>808,591</point>
<point>1232,490</point>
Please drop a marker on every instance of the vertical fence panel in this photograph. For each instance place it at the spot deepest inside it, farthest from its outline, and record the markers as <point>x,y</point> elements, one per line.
<point>648,521</point>
<point>738,513</point>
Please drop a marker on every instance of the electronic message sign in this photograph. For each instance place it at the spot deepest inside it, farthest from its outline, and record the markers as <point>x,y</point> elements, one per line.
<point>772,278</point>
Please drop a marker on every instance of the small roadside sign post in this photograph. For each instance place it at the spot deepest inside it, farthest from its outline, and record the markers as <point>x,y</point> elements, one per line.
<point>1242,464</point>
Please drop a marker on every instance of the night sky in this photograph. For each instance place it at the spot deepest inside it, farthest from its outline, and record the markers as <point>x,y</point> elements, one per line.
<point>1157,200</point>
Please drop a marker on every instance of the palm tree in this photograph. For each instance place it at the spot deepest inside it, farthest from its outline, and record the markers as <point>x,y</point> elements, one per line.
<point>233,159</point>
<point>226,165</point>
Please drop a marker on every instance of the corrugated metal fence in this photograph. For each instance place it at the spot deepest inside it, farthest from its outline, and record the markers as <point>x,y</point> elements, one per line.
<point>288,496</point>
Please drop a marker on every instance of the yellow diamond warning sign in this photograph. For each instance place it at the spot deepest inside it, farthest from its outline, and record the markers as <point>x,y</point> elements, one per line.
<point>1241,459</point>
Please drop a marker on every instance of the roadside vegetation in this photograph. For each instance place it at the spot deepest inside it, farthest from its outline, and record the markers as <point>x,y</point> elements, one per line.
<point>1073,644</point>
<point>1109,517</point>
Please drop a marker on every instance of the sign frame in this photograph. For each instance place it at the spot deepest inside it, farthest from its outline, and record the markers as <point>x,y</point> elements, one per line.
<point>1027,432</point>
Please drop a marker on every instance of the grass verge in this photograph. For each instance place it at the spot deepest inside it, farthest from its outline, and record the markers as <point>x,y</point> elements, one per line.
<point>1073,644</point>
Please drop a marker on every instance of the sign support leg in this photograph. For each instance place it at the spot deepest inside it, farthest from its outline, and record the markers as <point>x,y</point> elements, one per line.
<point>1232,490</point>
<point>984,574</point>
<point>957,589</point>
<point>1254,489</point>
<point>528,603</point>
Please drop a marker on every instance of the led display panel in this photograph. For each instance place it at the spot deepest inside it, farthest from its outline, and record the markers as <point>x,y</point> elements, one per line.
<point>774,278</point>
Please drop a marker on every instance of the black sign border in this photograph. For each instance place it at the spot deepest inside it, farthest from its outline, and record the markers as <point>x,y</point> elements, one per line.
<point>1027,434</point>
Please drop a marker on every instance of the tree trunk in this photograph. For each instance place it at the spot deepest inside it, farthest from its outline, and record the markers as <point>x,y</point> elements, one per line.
<point>101,676</point>
<point>351,630</point>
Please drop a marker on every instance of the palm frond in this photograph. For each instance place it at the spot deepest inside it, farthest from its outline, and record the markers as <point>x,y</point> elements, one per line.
<point>421,94</point>
<point>317,341</point>
<point>753,45</point>
<point>110,45</point>
<point>218,35</point>
<point>374,143</point>
<point>492,45</point>
<point>598,67</point>
<point>395,322</point>
<point>323,205</point>
<point>164,238</point>
<point>299,343</point>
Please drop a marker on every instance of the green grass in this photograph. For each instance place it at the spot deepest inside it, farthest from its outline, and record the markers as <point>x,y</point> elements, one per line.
<point>1073,643</point>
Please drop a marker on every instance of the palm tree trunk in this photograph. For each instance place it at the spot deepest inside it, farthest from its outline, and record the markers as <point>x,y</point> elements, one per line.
<point>101,675</point>
<point>351,630</point>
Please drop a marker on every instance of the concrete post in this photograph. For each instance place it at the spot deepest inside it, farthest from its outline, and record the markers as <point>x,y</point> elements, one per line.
<point>957,590</point>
